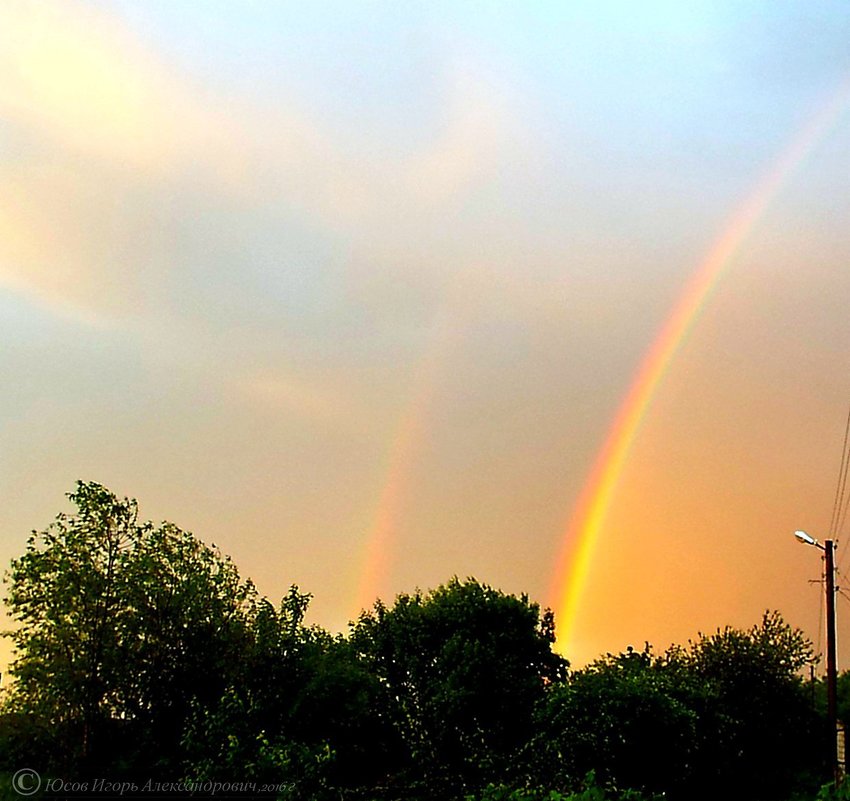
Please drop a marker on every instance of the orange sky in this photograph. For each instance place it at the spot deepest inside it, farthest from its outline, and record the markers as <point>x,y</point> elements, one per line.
<point>356,293</point>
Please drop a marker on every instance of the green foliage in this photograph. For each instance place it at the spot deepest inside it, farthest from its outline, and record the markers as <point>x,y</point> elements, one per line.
<point>139,650</point>
<point>728,715</point>
<point>590,790</point>
<point>299,709</point>
<point>632,717</point>
<point>831,792</point>
<point>122,627</point>
<point>461,670</point>
<point>770,731</point>
<point>501,792</point>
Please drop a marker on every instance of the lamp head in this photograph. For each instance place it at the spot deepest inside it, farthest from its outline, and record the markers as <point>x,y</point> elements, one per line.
<point>806,539</point>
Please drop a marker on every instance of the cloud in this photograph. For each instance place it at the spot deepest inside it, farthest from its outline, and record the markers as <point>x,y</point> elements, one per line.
<point>76,77</point>
<point>115,160</point>
<point>294,394</point>
<point>94,127</point>
<point>468,150</point>
<point>380,191</point>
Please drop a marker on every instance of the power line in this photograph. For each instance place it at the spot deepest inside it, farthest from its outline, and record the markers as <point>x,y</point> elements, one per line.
<point>840,487</point>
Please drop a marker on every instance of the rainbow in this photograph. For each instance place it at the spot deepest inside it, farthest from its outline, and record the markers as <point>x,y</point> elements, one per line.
<point>403,449</point>
<point>588,519</point>
<point>381,538</point>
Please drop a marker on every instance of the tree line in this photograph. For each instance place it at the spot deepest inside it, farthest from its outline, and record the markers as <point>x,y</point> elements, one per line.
<point>141,653</point>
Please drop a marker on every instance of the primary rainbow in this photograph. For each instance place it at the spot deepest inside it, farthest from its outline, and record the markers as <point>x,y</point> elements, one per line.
<point>588,518</point>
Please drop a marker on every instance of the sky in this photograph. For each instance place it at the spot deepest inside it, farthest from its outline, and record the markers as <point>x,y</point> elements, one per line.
<point>364,292</point>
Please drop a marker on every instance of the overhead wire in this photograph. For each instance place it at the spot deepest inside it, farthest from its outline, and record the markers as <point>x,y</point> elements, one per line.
<point>841,485</point>
<point>840,505</point>
<point>843,519</point>
<point>842,497</point>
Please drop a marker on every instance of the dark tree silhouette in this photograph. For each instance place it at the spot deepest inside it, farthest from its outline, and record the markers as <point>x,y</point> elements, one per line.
<point>140,651</point>
<point>122,627</point>
<point>462,669</point>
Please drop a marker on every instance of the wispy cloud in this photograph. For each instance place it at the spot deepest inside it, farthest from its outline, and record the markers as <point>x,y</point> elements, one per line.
<point>114,155</point>
<point>288,393</point>
<point>75,77</point>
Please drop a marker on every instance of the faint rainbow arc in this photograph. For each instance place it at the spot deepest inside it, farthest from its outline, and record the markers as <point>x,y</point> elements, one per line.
<point>380,538</point>
<point>590,512</point>
<point>404,446</point>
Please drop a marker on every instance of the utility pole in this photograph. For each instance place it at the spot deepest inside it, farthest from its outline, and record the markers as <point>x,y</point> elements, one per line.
<point>828,548</point>
<point>831,672</point>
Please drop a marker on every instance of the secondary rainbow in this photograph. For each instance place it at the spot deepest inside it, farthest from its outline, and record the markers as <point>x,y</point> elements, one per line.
<point>589,515</point>
<point>405,446</point>
<point>381,539</point>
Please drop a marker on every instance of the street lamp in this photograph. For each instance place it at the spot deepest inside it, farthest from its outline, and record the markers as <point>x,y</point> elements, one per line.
<point>828,548</point>
<point>806,539</point>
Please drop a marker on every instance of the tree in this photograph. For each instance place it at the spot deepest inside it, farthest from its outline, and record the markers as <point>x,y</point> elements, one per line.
<point>300,709</point>
<point>772,736</point>
<point>726,716</point>
<point>122,627</point>
<point>461,670</point>
<point>629,718</point>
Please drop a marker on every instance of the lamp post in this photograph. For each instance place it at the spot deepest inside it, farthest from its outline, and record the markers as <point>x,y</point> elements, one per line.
<point>828,548</point>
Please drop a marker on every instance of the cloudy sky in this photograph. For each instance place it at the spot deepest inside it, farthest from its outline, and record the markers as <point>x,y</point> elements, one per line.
<point>356,290</point>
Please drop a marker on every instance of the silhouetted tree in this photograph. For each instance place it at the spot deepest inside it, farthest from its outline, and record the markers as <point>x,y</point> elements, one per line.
<point>140,651</point>
<point>122,627</point>
<point>772,739</point>
<point>461,670</point>
<point>629,718</point>
<point>300,709</point>
<point>727,716</point>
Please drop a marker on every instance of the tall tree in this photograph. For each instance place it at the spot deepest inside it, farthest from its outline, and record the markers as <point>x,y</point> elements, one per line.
<point>772,735</point>
<point>302,709</point>
<point>727,716</point>
<point>631,718</point>
<point>121,625</point>
<point>461,669</point>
